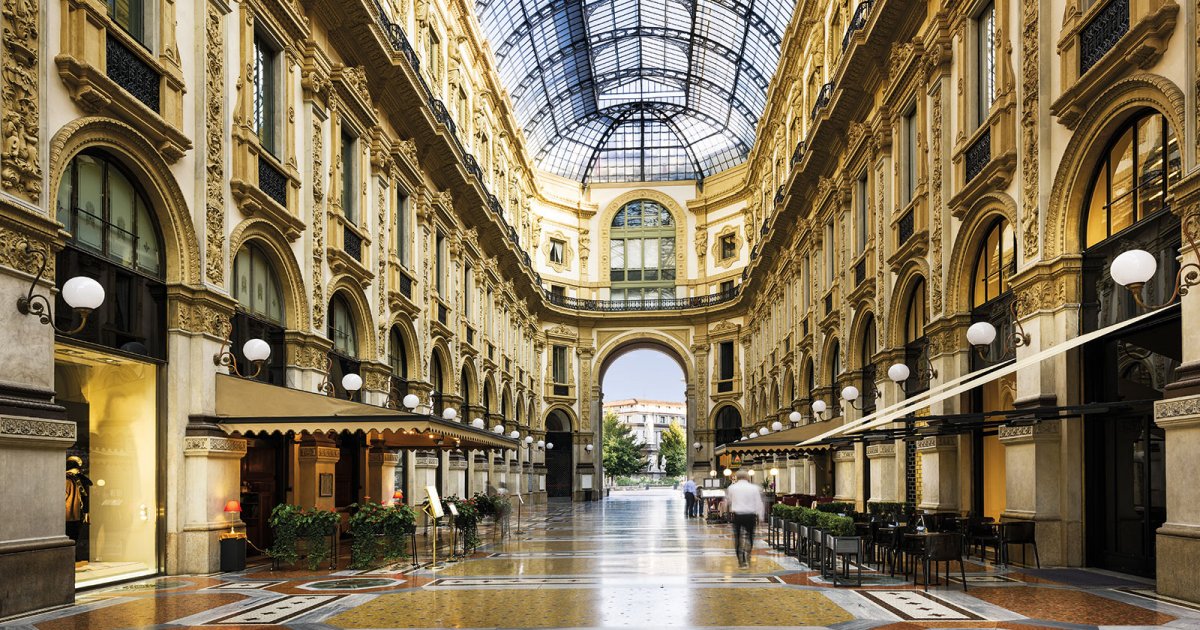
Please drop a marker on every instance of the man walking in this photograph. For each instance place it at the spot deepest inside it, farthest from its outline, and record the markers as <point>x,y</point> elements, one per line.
<point>689,498</point>
<point>746,506</point>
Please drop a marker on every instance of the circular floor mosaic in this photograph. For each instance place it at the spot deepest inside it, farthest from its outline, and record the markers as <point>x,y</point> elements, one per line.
<point>350,584</point>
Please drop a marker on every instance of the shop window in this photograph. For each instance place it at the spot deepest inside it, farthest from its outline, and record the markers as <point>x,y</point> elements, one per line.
<point>111,470</point>
<point>1132,178</point>
<point>261,316</point>
<point>267,89</point>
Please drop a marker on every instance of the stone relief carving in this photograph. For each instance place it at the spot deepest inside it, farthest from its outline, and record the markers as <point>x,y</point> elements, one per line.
<point>20,164</point>
<point>935,204</point>
<point>215,140</point>
<point>318,229</point>
<point>1029,131</point>
<point>36,428</point>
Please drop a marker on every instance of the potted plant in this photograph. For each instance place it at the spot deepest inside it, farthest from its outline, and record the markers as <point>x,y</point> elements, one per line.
<point>302,533</point>
<point>380,532</point>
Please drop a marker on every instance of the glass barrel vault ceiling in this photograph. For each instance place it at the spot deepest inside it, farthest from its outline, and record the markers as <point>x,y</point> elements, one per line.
<point>636,90</point>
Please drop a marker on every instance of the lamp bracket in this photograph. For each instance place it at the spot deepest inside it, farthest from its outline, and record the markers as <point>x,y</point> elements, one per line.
<point>225,357</point>
<point>39,305</point>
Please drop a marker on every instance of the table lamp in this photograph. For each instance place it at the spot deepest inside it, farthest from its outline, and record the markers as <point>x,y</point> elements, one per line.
<point>232,506</point>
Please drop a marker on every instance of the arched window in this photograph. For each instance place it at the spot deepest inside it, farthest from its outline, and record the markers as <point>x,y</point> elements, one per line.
<point>834,363</point>
<point>437,379</point>
<point>464,384</point>
<point>916,345</point>
<point>255,285</point>
<point>107,214</point>
<point>398,361</point>
<point>341,327</point>
<point>728,425</point>
<point>260,313</point>
<point>1131,180</point>
<point>642,253</point>
<point>113,239</point>
<point>995,264</point>
<point>866,386</point>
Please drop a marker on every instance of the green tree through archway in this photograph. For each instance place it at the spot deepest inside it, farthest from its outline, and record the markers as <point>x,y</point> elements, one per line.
<point>672,454</point>
<point>622,452</point>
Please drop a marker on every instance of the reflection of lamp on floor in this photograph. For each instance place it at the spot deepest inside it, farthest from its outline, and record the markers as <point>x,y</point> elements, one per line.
<point>232,506</point>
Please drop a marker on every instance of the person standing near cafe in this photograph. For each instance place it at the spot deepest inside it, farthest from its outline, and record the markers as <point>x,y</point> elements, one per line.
<point>745,501</point>
<point>689,498</point>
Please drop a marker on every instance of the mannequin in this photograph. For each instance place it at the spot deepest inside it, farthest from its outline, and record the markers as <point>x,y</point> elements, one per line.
<point>78,485</point>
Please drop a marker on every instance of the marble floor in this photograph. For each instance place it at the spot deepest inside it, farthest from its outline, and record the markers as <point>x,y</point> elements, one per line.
<point>629,561</point>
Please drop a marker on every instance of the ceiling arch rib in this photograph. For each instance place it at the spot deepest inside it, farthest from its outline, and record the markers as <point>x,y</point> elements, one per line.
<point>653,90</point>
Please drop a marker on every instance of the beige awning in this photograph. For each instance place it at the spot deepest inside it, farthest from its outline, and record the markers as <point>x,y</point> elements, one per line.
<point>785,441</point>
<point>246,407</point>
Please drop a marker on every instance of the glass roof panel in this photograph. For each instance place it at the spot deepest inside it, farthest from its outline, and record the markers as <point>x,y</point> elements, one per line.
<point>636,90</point>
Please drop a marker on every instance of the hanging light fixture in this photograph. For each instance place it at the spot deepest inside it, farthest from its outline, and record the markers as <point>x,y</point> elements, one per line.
<point>256,352</point>
<point>981,335</point>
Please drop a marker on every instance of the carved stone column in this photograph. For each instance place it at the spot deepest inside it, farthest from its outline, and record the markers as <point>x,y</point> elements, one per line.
<point>883,471</point>
<point>843,474</point>
<point>318,456</point>
<point>1033,461</point>
<point>212,464</point>
<point>455,477</point>
<point>381,474</point>
<point>939,473</point>
<point>1178,544</point>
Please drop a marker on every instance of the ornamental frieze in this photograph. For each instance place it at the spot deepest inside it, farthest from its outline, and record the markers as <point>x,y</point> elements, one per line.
<point>215,140</point>
<point>34,428</point>
<point>215,445</point>
<point>20,162</point>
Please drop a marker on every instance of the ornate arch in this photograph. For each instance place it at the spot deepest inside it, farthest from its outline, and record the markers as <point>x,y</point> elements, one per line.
<point>914,271</point>
<point>712,415</point>
<point>858,337</point>
<point>572,419</point>
<point>440,347</point>
<point>614,347</point>
<point>678,215</point>
<point>146,165</point>
<point>788,394</point>
<point>272,242</point>
<point>828,378</point>
<point>1109,111</point>
<point>472,396</point>
<point>493,394</point>
<point>506,401</point>
<point>975,223</point>
<point>412,347</point>
<point>360,309</point>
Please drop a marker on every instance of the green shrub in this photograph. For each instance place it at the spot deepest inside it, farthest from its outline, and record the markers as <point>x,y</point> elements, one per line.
<point>379,531</point>
<point>835,525</point>
<point>291,524</point>
<point>836,507</point>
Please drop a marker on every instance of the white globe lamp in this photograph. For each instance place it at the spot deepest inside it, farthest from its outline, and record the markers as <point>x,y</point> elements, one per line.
<point>850,393</point>
<point>1129,269</point>
<point>981,334</point>
<point>898,372</point>
<point>819,406</point>
<point>794,417</point>
<point>411,401</point>
<point>449,413</point>
<point>256,350</point>
<point>777,426</point>
<point>352,382</point>
<point>82,292</point>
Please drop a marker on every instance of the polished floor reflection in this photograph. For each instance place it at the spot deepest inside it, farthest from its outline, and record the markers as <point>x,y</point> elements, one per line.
<point>629,561</point>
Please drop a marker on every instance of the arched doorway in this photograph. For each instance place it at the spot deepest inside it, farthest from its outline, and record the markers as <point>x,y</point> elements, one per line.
<point>560,473</point>
<point>644,412</point>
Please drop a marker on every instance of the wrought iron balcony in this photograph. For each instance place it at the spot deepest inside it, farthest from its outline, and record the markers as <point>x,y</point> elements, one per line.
<point>858,22</point>
<point>653,304</point>
<point>397,38</point>
<point>1099,35</point>
<point>272,181</point>
<point>978,155</point>
<point>798,153</point>
<point>766,227</point>
<point>131,72</point>
<point>823,98</point>
<point>905,228</point>
<point>779,195</point>
<point>351,243</point>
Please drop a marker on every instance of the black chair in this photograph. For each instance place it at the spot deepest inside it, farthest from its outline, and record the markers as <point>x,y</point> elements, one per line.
<point>943,548</point>
<point>981,535</point>
<point>791,537</point>
<point>1019,533</point>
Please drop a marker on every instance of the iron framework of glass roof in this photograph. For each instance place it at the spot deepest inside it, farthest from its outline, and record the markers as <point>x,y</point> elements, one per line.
<point>636,90</point>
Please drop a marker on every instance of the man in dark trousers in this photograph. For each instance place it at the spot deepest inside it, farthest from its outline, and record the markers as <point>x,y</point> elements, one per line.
<point>745,501</point>
<point>689,498</point>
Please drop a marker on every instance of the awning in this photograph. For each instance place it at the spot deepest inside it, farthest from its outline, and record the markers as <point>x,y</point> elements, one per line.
<point>897,412</point>
<point>785,441</point>
<point>247,408</point>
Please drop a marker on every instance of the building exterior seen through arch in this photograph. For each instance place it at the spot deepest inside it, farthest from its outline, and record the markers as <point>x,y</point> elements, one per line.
<point>402,210</point>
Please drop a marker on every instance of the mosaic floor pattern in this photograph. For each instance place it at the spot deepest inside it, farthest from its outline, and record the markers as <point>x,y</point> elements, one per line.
<point>632,562</point>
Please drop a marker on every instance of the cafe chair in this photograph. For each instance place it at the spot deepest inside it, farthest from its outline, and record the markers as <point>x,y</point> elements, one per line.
<point>945,548</point>
<point>1021,533</point>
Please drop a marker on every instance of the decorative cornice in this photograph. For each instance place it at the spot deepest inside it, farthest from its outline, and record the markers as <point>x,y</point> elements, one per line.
<point>1040,432</point>
<point>211,446</point>
<point>1177,413</point>
<point>32,432</point>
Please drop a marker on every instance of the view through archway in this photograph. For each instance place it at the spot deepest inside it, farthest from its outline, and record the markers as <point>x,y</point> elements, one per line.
<point>645,412</point>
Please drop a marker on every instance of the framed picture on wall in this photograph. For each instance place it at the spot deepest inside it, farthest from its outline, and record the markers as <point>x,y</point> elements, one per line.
<point>325,485</point>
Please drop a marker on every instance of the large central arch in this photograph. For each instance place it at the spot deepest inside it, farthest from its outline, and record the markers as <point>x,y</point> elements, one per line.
<point>611,349</point>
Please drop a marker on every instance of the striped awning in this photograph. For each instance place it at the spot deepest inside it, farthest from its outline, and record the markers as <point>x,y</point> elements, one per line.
<point>251,408</point>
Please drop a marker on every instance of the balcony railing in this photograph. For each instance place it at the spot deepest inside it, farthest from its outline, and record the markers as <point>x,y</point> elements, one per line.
<point>905,228</point>
<point>272,181</point>
<point>131,72</point>
<point>1099,35</point>
<point>352,243</point>
<point>779,195</point>
<point>858,23</point>
<point>798,153</point>
<point>766,227</point>
<point>978,155</point>
<point>405,285</point>
<point>650,304</point>
<point>823,97</point>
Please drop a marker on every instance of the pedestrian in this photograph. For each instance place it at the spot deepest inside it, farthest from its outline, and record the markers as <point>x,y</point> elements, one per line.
<point>746,505</point>
<point>689,498</point>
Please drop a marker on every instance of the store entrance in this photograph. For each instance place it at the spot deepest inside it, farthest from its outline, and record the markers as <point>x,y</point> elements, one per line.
<point>559,473</point>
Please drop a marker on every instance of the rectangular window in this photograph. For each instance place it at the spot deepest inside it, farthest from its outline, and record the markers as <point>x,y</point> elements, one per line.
<point>468,289</point>
<point>728,246</point>
<point>349,178</point>
<point>557,251</point>
<point>558,290</point>
<point>402,236</point>
<point>266,94</point>
<point>440,265</point>
<point>725,366</point>
<point>616,250</point>
<point>434,54</point>
<point>830,254</point>
<point>909,184</point>
<point>726,286</point>
<point>985,59</point>
<point>559,367</point>
<point>130,15</point>
<point>862,214</point>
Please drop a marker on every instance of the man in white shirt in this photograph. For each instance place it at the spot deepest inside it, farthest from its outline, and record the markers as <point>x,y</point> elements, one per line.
<point>689,498</point>
<point>745,501</point>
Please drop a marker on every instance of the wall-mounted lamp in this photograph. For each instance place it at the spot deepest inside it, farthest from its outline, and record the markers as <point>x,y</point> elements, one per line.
<point>795,418</point>
<point>516,435</point>
<point>449,413</point>
<point>1134,268</point>
<point>588,448</point>
<point>819,407</point>
<point>549,446</point>
<point>712,473</point>
<point>899,373</point>
<point>850,395</point>
<point>981,335</point>
<point>698,446</point>
<point>478,423</point>
<point>256,352</point>
<point>777,426</point>
<point>351,383</point>
<point>81,293</point>
<point>499,428</point>
<point>727,472</point>
<point>753,434</point>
